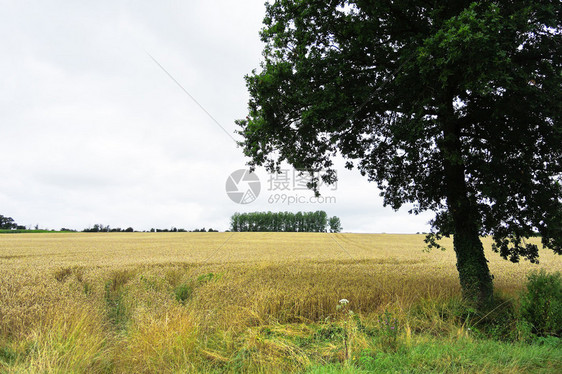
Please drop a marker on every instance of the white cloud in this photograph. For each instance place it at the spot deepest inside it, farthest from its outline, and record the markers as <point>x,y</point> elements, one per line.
<point>94,132</point>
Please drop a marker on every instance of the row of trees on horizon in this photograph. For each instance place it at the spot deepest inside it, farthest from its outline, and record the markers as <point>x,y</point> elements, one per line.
<point>102,228</point>
<point>8,223</point>
<point>285,222</point>
<point>240,222</point>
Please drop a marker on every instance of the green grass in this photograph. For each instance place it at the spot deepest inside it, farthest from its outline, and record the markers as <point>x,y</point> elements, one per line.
<point>438,355</point>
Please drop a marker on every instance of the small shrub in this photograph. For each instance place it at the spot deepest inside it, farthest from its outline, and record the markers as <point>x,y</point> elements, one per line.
<point>183,292</point>
<point>541,303</point>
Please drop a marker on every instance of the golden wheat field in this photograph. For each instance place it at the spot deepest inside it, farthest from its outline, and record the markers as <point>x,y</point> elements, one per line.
<point>186,302</point>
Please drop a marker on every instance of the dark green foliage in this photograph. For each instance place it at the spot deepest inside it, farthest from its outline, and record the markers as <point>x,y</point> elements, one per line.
<point>98,228</point>
<point>335,224</point>
<point>541,303</point>
<point>183,292</point>
<point>281,221</point>
<point>7,223</point>
<point>102,228</point>
<point>452,107</point>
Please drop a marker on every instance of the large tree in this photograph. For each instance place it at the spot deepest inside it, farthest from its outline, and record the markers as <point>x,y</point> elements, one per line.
<point>453,106</point>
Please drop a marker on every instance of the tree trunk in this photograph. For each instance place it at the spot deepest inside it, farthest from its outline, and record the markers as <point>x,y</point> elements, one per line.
<point>475,278</point>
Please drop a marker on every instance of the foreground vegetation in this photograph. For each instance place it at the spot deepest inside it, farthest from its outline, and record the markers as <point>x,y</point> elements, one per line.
<point>257,302</point>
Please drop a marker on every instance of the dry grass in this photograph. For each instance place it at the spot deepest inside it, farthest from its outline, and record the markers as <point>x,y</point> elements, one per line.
<point>181,302</point>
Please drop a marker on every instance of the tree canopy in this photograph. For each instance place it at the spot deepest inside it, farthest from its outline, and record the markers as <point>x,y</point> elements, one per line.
<point>335,224</point>
<point>452,106</point>
<point>284,221</point>
<point>7,223</point>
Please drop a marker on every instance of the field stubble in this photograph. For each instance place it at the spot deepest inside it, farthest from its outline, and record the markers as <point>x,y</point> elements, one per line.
<point>168,302</point>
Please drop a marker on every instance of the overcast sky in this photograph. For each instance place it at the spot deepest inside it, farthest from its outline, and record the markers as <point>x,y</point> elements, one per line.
<point>93,131</point>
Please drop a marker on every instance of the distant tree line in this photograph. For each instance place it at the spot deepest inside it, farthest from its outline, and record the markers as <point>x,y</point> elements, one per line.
<point>284,221</point>
<point>173,229</point>
<point>257,221</point>
<point>8,223</point>
<point>102,228</point>
<point>107,228</point>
